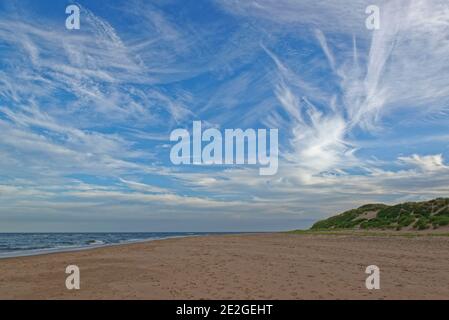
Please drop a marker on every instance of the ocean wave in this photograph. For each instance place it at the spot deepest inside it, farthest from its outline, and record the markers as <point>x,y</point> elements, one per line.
<point>22,244</point>
<point>95,242</point>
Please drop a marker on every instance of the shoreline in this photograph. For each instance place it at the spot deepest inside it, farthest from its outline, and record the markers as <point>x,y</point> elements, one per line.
<point>337,233</point>
<point>44,252</point>
<point>263,266</point>
<point>50,251</point>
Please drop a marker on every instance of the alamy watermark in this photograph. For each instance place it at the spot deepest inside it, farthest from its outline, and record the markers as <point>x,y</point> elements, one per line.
<point>72,282</point>
<point>372,22</point>
<point>373,280</point>
<point>73,20</point>
<point>236,147</point>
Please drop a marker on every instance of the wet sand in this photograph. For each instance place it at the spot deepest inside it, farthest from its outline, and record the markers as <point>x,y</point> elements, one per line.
<point>258,266</point>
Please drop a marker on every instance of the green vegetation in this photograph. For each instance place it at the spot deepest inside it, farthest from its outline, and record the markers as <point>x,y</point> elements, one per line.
<point>410,215</point>
<point>368,233</point>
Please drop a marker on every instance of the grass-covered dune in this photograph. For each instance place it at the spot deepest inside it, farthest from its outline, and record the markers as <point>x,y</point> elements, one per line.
<point>410,216</point>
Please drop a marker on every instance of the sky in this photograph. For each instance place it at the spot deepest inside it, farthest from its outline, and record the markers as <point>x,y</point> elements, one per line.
<point>86,115</point>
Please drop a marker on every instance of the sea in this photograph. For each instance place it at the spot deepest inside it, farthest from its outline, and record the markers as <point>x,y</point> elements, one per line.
<point>26,244</point>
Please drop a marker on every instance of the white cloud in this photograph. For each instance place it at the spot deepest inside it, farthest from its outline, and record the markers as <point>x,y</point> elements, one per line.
<point>425,163</point>
<point>144,187</point>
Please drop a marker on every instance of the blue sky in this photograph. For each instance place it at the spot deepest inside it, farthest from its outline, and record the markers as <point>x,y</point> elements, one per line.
<point>85,115</point>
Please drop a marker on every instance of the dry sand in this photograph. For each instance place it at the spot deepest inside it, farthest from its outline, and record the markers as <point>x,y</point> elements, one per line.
<point>263,266</point>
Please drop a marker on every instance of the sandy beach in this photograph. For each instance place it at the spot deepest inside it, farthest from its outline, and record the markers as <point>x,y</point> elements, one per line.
<point>258,266</point>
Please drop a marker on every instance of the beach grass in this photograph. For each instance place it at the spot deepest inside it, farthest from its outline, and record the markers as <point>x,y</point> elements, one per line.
<point>370,233</point>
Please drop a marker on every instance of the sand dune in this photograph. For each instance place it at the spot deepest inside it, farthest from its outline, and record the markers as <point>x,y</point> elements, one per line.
<point>263,266</point>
